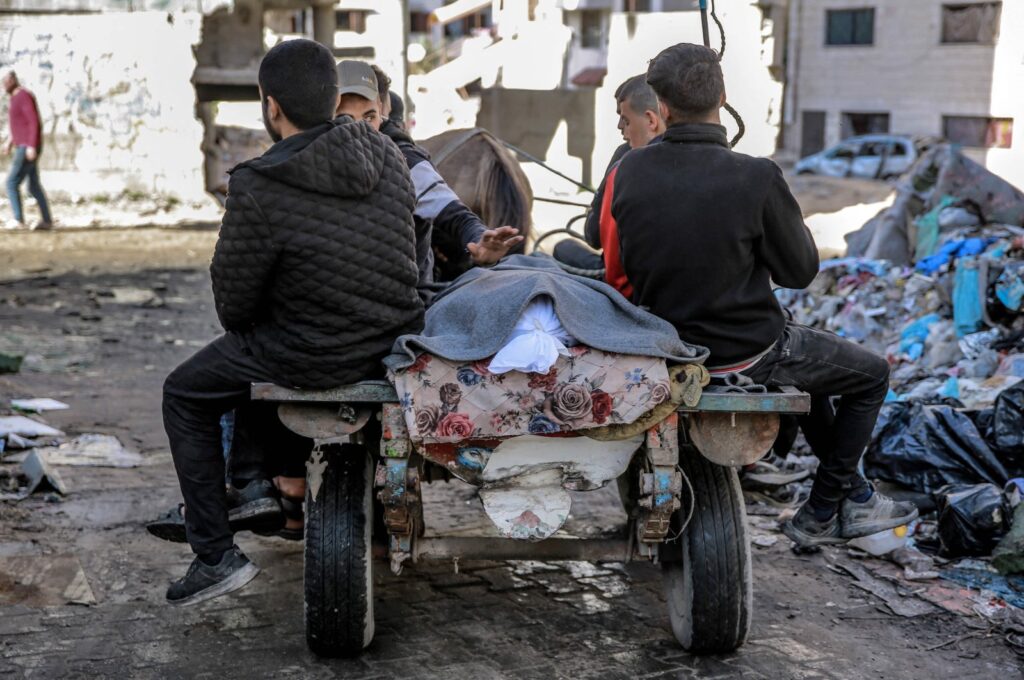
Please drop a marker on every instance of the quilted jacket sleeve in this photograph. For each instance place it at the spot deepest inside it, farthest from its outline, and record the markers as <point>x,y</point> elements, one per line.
<point>243,261</point>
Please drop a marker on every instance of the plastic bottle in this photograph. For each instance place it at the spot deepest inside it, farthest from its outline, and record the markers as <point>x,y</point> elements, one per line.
<point>882,543</point>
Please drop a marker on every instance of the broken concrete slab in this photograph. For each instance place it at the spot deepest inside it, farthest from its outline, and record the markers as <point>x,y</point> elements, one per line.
<point>38,405</point>
<point>26,427</point>
<point>44,581</point>
<point>97,450</point>
<point>41,476</point>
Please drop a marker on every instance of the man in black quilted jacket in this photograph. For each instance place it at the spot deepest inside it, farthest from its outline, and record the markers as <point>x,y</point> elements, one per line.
<point>314,276</point>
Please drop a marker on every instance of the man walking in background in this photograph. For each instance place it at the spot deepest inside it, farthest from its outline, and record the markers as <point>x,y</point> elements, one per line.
<point>27,144</point>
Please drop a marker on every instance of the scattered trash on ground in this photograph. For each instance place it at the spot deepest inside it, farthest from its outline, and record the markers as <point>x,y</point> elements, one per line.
<point>765,541</point>
<point>1008,557</point>
<point>41,476</point>
<point>978,575</point>
<point>44,581</point>
<point>26,427</point>
<point>139,297</point>
<point>100,450</point>
<point>972,519</point>
<point>935,282</point>
<point>10,363</point>
<point>38,405</point>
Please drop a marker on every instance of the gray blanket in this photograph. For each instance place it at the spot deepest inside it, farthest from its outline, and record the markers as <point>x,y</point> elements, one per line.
<point>474,317</point>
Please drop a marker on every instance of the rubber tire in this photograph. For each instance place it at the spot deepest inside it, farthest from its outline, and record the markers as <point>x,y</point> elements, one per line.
<point>339,555</point>
<point>709,589</point>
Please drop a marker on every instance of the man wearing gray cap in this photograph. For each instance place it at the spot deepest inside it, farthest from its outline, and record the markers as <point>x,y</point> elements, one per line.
<point>365,96</point>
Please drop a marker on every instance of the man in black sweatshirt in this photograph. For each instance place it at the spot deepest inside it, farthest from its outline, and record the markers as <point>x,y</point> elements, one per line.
<point>704,232</point>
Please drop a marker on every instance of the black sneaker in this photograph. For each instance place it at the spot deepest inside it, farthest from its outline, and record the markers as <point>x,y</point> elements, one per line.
<point>877,513</point>
<point>170,526</point>
<point>254,508</point>
<point>806,531</point>
<point>203,582</point>
<point>257,507</point>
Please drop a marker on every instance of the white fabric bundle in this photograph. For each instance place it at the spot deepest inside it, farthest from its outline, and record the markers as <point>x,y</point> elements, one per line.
<point>537,340</point>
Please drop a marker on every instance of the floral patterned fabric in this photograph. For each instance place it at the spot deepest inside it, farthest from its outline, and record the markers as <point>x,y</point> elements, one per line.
<point>448,402</point>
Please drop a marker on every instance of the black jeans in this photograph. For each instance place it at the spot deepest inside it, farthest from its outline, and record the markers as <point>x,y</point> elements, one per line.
<point>215,380</point>
<point>574,253</point>
<point>825,366</point>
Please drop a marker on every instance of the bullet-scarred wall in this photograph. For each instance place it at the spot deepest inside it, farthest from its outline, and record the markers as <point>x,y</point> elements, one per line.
<point>115,93</point>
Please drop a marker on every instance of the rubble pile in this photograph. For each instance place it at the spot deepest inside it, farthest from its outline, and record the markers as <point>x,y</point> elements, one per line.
<point>936,284</point>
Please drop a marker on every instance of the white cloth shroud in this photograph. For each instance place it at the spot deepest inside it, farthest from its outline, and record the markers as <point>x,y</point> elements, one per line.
<point>537,340</point>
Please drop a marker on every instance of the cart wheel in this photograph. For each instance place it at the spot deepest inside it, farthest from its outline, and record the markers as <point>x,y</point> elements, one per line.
<point>706,570</point>
<point>338,555</point>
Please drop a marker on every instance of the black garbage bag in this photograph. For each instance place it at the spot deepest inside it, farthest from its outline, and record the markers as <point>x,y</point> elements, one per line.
<point>1006,430</point>
<point>925,447</point>
<point>972,519</point>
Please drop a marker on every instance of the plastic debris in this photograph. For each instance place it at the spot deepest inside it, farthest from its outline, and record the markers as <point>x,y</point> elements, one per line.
<point>38,405</point>
<point>941,171</point>
<point>972,519</point>
<point>968,313</point>
<point>1012,364</point>
<point>98,450</point>
<point>883,542</point>
<point>1010,287</point>
<point>1008,556</point>
<point>26,427</point>
<point>978,575</point>
<point>1007,428</point>
<point>926,447</point>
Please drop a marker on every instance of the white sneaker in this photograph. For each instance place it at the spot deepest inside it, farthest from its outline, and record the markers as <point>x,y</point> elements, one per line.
<point>14,224</point>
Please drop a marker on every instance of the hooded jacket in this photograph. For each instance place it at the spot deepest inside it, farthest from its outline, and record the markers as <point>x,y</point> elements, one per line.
<point>315,265</point>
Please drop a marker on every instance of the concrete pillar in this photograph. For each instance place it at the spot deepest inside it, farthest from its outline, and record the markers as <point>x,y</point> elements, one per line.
<point>324,25</point>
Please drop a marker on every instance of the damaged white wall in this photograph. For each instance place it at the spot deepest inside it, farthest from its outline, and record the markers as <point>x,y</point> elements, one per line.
<point>114,90</point>
<point>908,73</point>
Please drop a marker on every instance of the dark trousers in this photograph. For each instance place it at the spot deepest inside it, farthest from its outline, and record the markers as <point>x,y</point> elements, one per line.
<point>21,169</point>
<point>215,380</point>
<point>575,253</point>
<point>838,431</point>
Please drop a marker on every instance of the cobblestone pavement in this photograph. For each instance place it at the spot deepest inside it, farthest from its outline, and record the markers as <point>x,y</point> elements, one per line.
<point>490,620</point>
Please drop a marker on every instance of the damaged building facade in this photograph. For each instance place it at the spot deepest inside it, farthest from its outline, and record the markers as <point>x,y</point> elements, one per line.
<point>934,68</point>
<point>541,74</point>
<point>131,91</point>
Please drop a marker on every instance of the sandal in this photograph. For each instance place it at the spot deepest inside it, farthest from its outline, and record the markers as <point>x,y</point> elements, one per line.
<point>293,513</point>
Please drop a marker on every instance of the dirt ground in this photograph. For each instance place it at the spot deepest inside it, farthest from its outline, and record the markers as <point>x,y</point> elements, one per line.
<point>103,315</point>
<point>92,249</point>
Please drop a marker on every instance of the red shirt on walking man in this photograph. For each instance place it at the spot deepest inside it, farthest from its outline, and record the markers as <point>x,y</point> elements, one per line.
<point>26,142</point>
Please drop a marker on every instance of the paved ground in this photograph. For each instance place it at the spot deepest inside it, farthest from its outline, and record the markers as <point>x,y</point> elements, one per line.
<point>105,349</point>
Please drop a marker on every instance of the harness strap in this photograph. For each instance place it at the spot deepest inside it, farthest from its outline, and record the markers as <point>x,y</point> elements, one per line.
<point>455,144</point>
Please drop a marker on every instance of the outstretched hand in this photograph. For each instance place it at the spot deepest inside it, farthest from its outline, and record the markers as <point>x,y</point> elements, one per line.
<point>494,245</point>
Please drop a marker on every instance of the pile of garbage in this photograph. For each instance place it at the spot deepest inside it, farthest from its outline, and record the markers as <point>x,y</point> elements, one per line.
<point>936,284</point>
